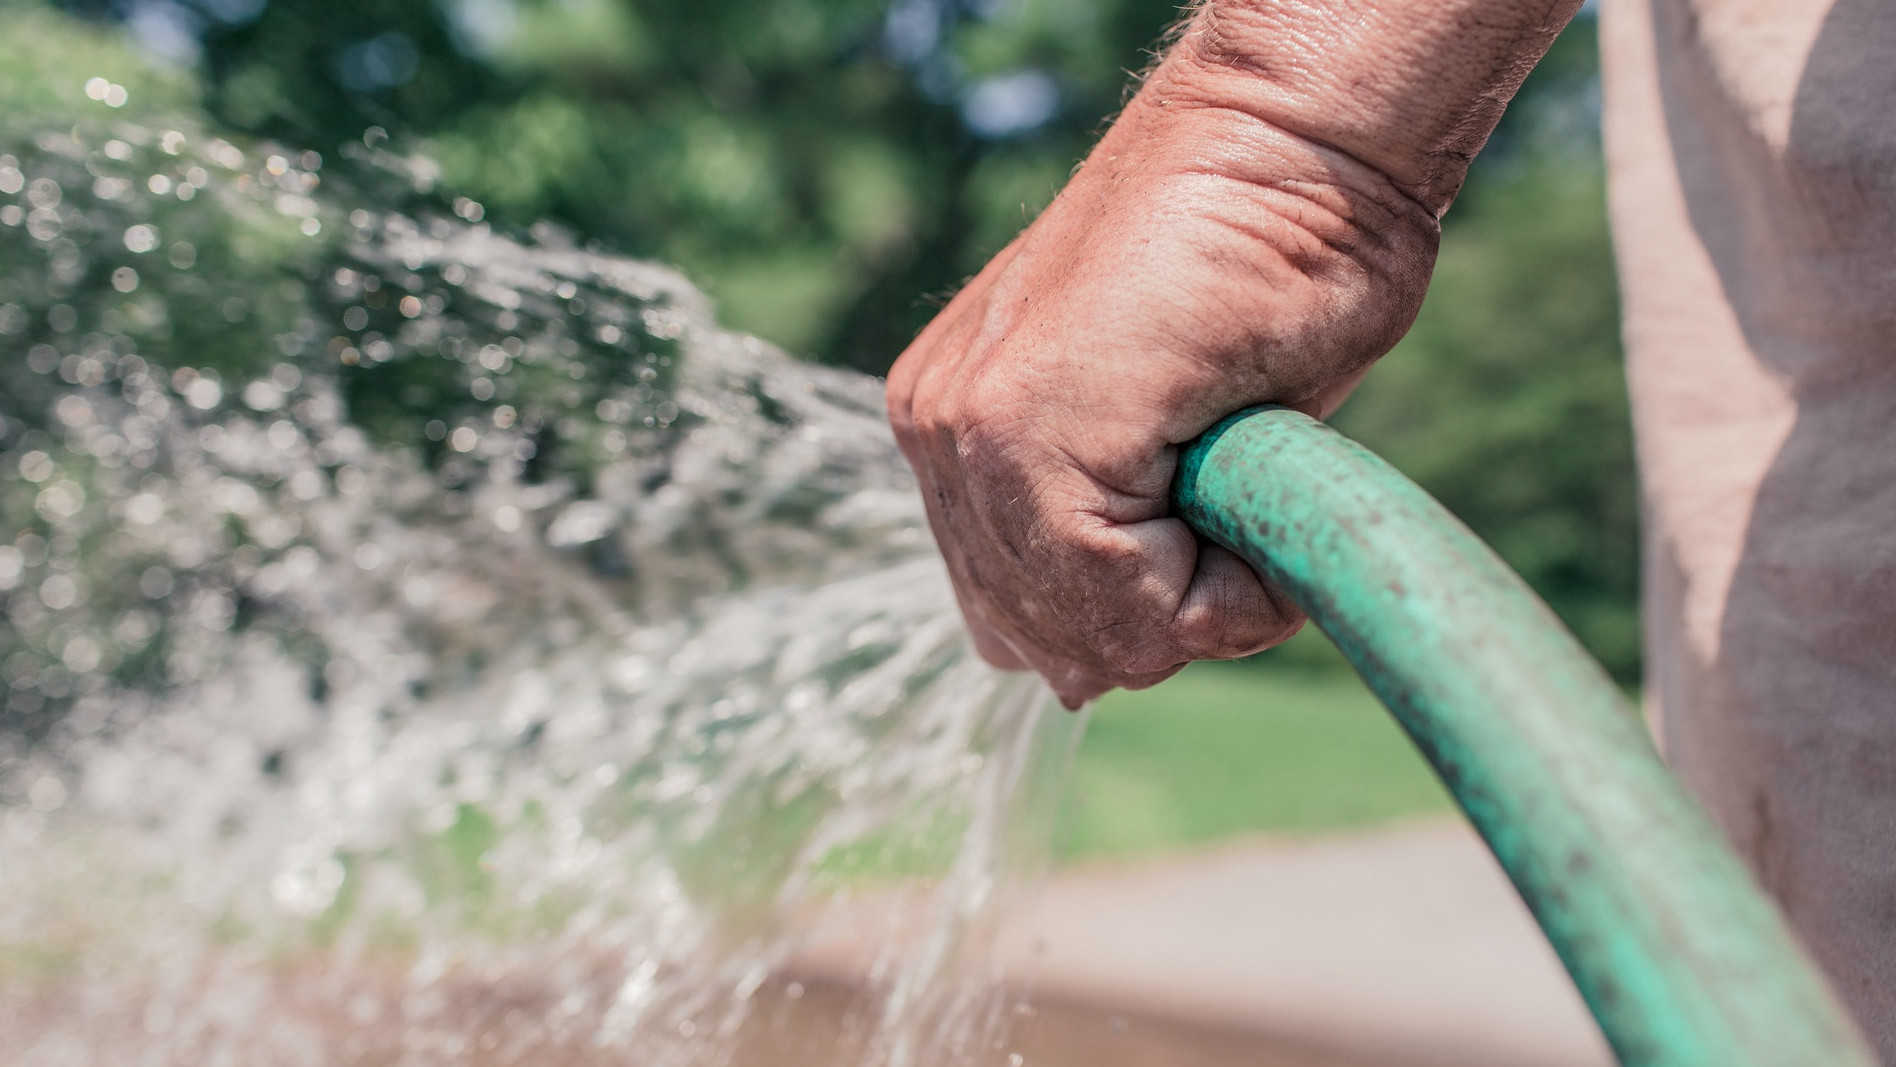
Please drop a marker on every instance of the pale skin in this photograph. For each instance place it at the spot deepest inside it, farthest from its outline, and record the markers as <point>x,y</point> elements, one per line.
<point>1258,226</point>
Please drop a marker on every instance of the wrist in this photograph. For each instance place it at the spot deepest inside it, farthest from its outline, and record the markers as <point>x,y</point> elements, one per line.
<point>1235,262</point>
<point>1408,89</point>
<point>1305,262</point>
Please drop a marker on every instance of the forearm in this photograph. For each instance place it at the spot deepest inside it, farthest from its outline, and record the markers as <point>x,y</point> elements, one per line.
<point>1408,88</point>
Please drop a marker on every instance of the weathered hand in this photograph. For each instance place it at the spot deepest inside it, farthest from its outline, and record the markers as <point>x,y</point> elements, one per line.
<point>1200,261</point>
<point>1258,226</point>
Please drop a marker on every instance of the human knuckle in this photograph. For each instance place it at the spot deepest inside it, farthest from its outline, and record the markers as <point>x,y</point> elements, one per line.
<point>1227,636</point>
<point>902,424</point>
<point>963,407</point>
<point>990,412</point>
<point>1103,551</point>
<point>1132,647</point>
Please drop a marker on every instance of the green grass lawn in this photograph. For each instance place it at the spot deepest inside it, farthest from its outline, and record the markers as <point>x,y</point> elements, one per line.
<point>1226,749</point>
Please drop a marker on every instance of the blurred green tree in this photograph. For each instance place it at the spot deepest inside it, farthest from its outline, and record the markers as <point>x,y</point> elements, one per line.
<point>817,164</point>
<point>821,166</point>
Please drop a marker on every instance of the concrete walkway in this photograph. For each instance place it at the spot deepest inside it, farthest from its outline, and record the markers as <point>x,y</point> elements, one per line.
<point>1401,946</point>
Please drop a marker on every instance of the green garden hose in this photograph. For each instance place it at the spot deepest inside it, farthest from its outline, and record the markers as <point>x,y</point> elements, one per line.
<point>1678,953</point>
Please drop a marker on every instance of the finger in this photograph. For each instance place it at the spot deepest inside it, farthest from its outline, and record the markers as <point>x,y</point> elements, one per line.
<point>1182,599</point>
<point>1147,681</point>
<point>987,640</point>
<point>1076,686</point>
<point>1229,611</point>
<point>997,650</point>
<point>1144,572</point>
<point>1325,403</point>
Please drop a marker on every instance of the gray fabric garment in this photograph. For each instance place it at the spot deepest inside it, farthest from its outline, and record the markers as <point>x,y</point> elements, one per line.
<point>1751,146</point>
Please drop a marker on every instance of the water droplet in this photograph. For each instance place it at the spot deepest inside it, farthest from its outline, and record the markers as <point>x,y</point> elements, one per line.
<point>306,485</point>
<point>81,655</point>
<point>73,410</point>
<point>36,466</point>
<point>43,224</point>
<point>224,154</point>
<point>203,393</point>
<point>110,188</point>
<point>141,238</point>
<point>59,501</point>
<point>145,509</point>
<point>58,592</point>
<point>263,396</point>
<point>47,794</point>
<point>43,193</point>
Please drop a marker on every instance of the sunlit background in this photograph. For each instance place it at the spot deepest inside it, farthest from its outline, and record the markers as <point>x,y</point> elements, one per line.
<point>827,171</point>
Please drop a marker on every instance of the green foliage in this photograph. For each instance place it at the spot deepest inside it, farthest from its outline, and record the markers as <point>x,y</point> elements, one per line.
<point>1221,750</point>
<point>809,161</point>
<point>50,58</point>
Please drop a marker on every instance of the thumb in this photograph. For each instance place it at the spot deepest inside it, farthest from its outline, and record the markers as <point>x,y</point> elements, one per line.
<point>1229,611</point>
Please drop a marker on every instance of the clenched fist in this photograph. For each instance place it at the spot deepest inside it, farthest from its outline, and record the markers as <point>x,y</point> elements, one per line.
<point>1232,240</point>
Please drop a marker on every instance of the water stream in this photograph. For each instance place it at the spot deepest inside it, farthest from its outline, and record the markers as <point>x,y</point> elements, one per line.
<point>425,644</point>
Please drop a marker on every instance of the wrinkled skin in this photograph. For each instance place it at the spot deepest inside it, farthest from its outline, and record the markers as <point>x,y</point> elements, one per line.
<point>1217,249</point>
